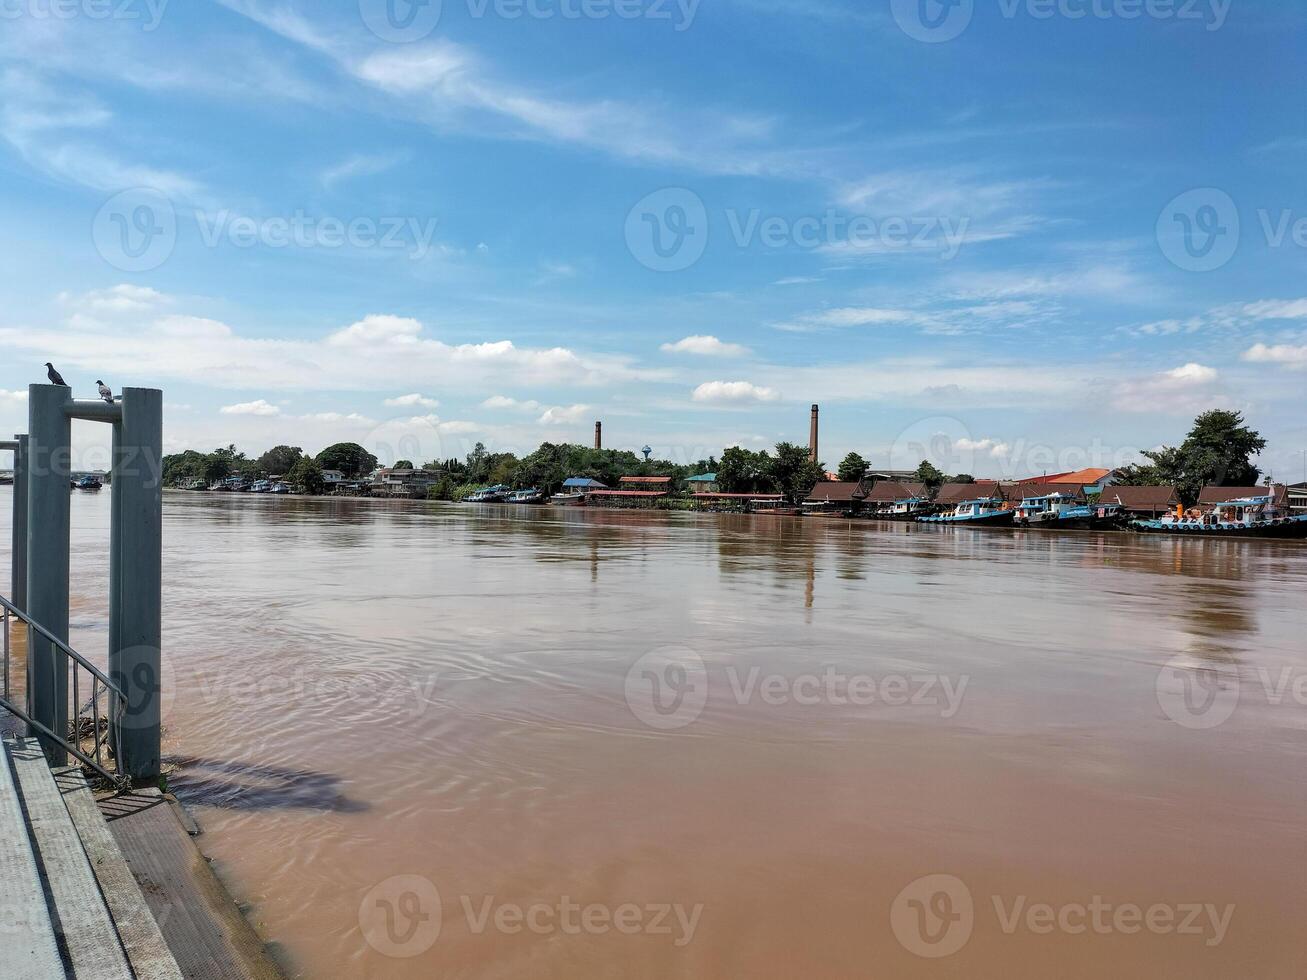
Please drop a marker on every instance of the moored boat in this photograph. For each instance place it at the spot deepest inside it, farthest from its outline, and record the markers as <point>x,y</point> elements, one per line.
<point>1246,517</point>
<point>908,510</point>
<point>1064,511</point>
<point>529,496</point>
<point>986,512</point>
<point>196,484</point>
<point>489,495</point>
<point>89,482</point>
<point>575,491</point>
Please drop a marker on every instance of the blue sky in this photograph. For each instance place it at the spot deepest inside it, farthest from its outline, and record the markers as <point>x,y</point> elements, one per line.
<point>1014,236</point>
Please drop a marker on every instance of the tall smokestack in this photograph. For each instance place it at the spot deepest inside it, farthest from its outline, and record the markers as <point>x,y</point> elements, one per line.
<point>812,434</point>
<point>599,435</point>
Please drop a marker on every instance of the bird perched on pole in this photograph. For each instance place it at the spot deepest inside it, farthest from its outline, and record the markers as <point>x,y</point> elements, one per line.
<point>55,377</point>
<point>105,393</point>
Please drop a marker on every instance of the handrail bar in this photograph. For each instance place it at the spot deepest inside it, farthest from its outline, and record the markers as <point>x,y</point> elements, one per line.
<point>94,670</point>
<point>121,782</point>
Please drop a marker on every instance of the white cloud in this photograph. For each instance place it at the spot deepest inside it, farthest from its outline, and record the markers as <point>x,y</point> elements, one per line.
<point>1185,390</point>
<point>123,298</point>
<point>1286,354</point>
<point>1191,374</point>
<point>993,447</point>
<point>412,401</point>
<point>257,407</point>
<point>734,392</point>
<point>334,417</point>
<point>361,165</point>
<point>12,396</point>
<point>379,352</point>
<point>707,345</point>
<point>559,415</point>
<point>1276,309</point>
<point>513,404</point>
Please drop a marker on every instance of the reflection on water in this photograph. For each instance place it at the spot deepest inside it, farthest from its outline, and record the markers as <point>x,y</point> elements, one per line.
<point>364,690</point>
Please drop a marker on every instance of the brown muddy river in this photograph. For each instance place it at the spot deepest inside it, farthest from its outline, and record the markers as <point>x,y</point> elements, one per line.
<point>435,740</point>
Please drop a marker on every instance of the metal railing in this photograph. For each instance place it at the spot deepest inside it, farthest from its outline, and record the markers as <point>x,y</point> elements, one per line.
<point>88,723</point>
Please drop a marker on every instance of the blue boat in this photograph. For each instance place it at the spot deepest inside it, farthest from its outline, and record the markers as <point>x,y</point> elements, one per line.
<point>89,482</point>
<point>1247,517</point>
<point>987,512</point>
<point>1063,510</point>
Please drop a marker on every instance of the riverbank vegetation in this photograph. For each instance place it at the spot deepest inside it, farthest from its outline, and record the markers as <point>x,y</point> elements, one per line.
<point>1218,451</point>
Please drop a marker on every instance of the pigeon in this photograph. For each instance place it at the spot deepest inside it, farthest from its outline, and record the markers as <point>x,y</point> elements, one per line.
<point>55,377</point>
<point>105,393</point>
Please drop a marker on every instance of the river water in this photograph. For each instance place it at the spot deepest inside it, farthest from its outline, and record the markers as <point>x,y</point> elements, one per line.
<point>439,740</point>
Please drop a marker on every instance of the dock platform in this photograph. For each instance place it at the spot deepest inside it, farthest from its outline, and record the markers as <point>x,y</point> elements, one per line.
<point>108,889</point>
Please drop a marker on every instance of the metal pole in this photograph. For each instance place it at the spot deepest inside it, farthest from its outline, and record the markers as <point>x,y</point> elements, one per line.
<point>48,479</point>
<point>19,581</point>
<point>135,659</point>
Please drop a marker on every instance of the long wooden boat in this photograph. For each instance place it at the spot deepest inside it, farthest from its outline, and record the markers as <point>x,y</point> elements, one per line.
<point>1247,517</point>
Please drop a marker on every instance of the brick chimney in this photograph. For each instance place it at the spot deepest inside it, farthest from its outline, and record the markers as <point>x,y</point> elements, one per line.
<point>812,434</point>
<point>599,435</point>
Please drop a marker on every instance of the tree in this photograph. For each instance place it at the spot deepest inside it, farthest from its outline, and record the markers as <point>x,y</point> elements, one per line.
<point>348,457</point>
<point>1217,452</point>
<point>404,464</point>
<point>183,466</point>
<point>793,472</point>
<point>853,468</point>
<point>306,474</point>
<point>929,474</point>
<point>743,471</point>
<point>279,459</point>
<point>962,478</point>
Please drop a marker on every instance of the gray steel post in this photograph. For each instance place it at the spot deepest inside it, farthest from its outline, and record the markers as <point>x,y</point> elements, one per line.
<point>48,478</point>
<point>135,659</point>
<point>19,582</point>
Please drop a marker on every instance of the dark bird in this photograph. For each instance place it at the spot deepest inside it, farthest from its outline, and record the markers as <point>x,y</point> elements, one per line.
<point>105,393</point>
<point>55,377</point>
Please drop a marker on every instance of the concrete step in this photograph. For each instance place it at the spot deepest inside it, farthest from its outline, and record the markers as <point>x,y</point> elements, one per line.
<point>67,892</point>
<point>29,950</point>
<point>82,921</point>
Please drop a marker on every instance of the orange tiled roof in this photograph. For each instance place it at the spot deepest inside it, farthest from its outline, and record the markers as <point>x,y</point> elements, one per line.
<point>1082,477</point>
